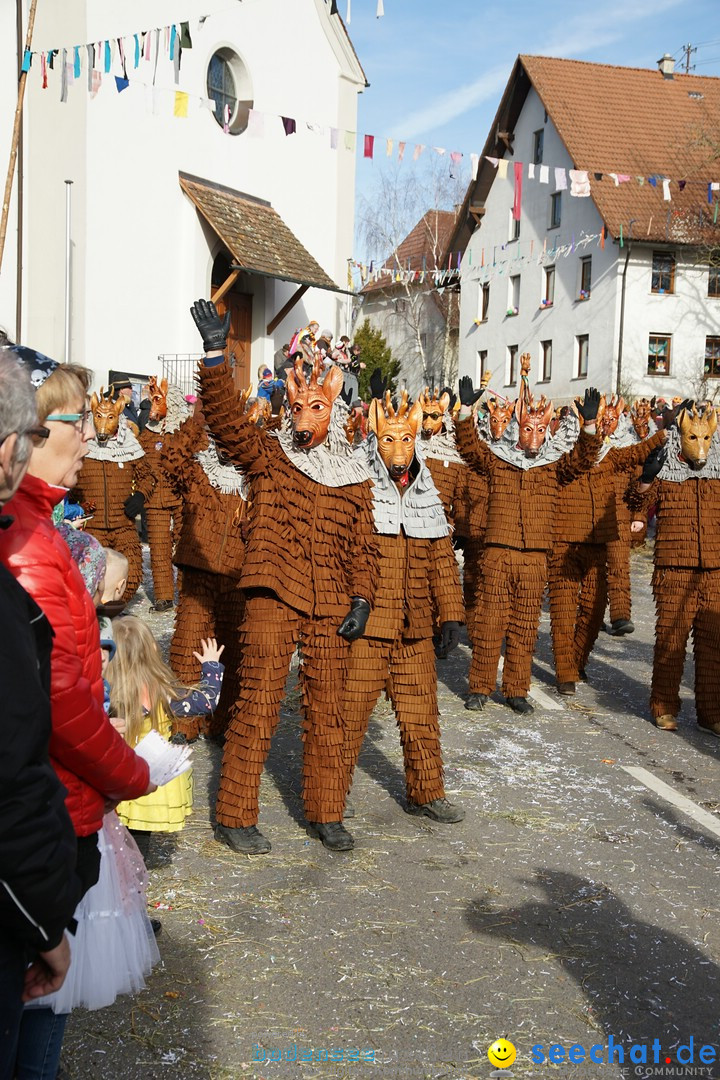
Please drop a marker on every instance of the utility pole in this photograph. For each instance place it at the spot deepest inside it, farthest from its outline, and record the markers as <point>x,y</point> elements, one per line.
<point>689,50</point>
<point>16,132</point>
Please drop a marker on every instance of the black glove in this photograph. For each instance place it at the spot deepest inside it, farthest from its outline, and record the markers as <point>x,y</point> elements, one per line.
<point>276,399</point>
<point>213,329</point>
<point>653,464</point>
<point>670,415</point>
<point>449,639</point>
<point>468,394</point>
<point>179,739</point>
<point>347,396</point>
<point>451,394</point>
<point>588,407</point>
<point>378,384</point>
<point>353,625</point>
<point>134,504</point>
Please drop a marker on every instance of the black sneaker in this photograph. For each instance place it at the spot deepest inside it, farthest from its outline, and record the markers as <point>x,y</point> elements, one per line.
<point>247,840</point>
<point>475,702</point>
<point>333,834</point>
<point>162,605</point>
<point>519,704</point>
<point>618,627</point>
<point>156,927</point>
<point>439,810</point>
<point>566,688</point>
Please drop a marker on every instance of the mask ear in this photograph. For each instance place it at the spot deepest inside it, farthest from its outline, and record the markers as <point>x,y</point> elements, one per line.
<point>333,383</point>
<point>414,418</point>
<point>94,401</point>
<point>444,402</point>
<point>164,387</point>
<point>621,405</point>
<point>376,416</point>
<point>119,406</point>
<point>518,410</point>
<point>548,414</point>
<point>292,389</point>
<point>712,421</point>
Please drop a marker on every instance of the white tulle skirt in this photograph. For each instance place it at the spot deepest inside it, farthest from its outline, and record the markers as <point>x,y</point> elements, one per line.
<point>114,948</point>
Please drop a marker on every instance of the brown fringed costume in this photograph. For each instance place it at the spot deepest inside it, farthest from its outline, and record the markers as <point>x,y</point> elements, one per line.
<point>586,522</point>
<point>106,481</point>
<point>526,472</point>
<point>417,576</point>
<point>163,508</point>
<point>210,553</point>
<point>310,550</point>
<point>686,579</point>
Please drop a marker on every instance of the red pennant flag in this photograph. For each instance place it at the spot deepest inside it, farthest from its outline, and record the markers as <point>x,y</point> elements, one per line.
<point>517,199</point>
<point>369,145</point>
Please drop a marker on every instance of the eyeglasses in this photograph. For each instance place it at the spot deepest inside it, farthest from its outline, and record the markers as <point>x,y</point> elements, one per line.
<point>78,420</point>
<point>36,432</point>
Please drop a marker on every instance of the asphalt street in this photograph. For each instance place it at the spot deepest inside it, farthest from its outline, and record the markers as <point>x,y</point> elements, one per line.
<point>575,907</point>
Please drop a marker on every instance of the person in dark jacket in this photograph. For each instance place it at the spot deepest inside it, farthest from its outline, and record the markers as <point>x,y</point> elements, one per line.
<point>38,885</point>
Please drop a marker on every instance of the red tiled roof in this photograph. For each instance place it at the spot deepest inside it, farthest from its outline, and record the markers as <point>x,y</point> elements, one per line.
<point>428,240</point>
<point>630,121</point>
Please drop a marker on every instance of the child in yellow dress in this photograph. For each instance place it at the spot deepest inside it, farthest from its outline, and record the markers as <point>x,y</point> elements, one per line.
<point>144,691</point>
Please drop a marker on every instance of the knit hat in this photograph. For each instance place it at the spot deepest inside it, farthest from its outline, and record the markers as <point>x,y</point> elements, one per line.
<point>38,366</point>
<point>87,552</point>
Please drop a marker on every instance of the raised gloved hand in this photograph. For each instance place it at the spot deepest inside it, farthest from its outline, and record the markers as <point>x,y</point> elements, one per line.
<point>653,464</point>
<point>134,504</point>
<point>451,394</point>
<point>378,384</point>
<point>346,395</point>
<point>669,415</point>
<point>353,625</point>
<point>213,329</point>
<point>588,408</point>
<point>468,394</point>
<point>449,639</point>
<point>276,399</point>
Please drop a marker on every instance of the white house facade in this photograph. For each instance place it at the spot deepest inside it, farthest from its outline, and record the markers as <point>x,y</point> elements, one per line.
<point>601,290</point>
<point>166,208</point>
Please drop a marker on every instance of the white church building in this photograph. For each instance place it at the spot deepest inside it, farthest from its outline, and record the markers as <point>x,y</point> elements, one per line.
<point>160,162</point>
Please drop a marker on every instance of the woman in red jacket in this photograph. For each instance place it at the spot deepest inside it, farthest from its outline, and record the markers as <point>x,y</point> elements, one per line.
<point>92,760</point>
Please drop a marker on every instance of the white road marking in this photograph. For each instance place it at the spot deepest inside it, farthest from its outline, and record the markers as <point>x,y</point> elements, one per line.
<point>542,698</point>
<point>687,806</point>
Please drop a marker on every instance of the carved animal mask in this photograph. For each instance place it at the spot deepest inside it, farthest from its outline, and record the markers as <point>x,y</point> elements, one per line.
<point>696,432</point>
<point>158,398</point>
<point>433,411</point>
<point>611,411</point>
<point>311,403</point>
<point>396,432</point>
<point>106,416</point>
<point>500,415</point>
<point>533,421</point>
<point>640,416</point>
<point>355,427</point>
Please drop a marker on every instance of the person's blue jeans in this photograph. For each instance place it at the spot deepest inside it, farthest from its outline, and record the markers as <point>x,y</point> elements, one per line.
<point>39,1045</point>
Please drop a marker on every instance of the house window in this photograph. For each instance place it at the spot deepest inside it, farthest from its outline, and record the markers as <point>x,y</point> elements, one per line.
<point>400,305</point>
<point>513,228</point>
<point>712,357</point>
<point>581,351</point>
<point>546,357</point>
<point>485,301</point>
<point>513,295</point>
<point>229,86</point>
<point>555,209</point>
<point>663,272</point>
<point>481,365</point>
<point>585,277</point>
<point>538,142</point>
<point>659,354</point>
<point>714,281</point>
<point>512,365</point>
<point>549,295</point>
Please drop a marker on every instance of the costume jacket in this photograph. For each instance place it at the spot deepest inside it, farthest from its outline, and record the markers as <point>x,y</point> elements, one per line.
<point>38,886</point>
<point>107,479</point>
<point>310,543</point>
<point>91,759</point>
<point>211,537</point>
<point>522,500</point>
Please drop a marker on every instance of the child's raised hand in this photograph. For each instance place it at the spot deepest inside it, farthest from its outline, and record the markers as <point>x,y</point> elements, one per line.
<point>210,650</point>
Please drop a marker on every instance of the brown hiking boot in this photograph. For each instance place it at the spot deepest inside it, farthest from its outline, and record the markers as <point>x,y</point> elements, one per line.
<point>666,722</point>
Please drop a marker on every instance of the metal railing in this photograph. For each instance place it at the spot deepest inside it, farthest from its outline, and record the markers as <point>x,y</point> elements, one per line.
<point>180,369</point>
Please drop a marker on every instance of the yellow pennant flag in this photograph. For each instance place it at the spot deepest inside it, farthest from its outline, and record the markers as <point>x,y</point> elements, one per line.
<point>181,103</point>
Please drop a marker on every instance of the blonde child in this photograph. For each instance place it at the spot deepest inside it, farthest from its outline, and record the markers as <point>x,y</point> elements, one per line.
<point>144,691</point>
<point>115,583</point>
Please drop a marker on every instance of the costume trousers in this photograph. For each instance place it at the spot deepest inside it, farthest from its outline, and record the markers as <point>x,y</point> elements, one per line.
<point>509,597</point>
<point>576,578</point>
<point>618,577</point>
<point>127,542</point>
<point>269,633</point>
<point>163,526</point>
<point>406,670</point>
<point>685,601</point>
<point>471,570</point>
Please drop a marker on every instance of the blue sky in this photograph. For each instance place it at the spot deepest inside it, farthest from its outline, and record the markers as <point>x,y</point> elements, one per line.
<point>437,68</point>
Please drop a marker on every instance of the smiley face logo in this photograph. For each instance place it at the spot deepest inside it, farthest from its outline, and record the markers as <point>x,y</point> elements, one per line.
<point>501,1054</point>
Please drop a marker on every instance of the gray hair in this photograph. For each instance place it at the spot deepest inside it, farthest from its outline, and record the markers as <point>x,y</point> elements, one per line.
<point>17,404</point>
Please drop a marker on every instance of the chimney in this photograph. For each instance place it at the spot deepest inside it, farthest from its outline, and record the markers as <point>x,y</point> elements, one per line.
<point>666,65</point>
